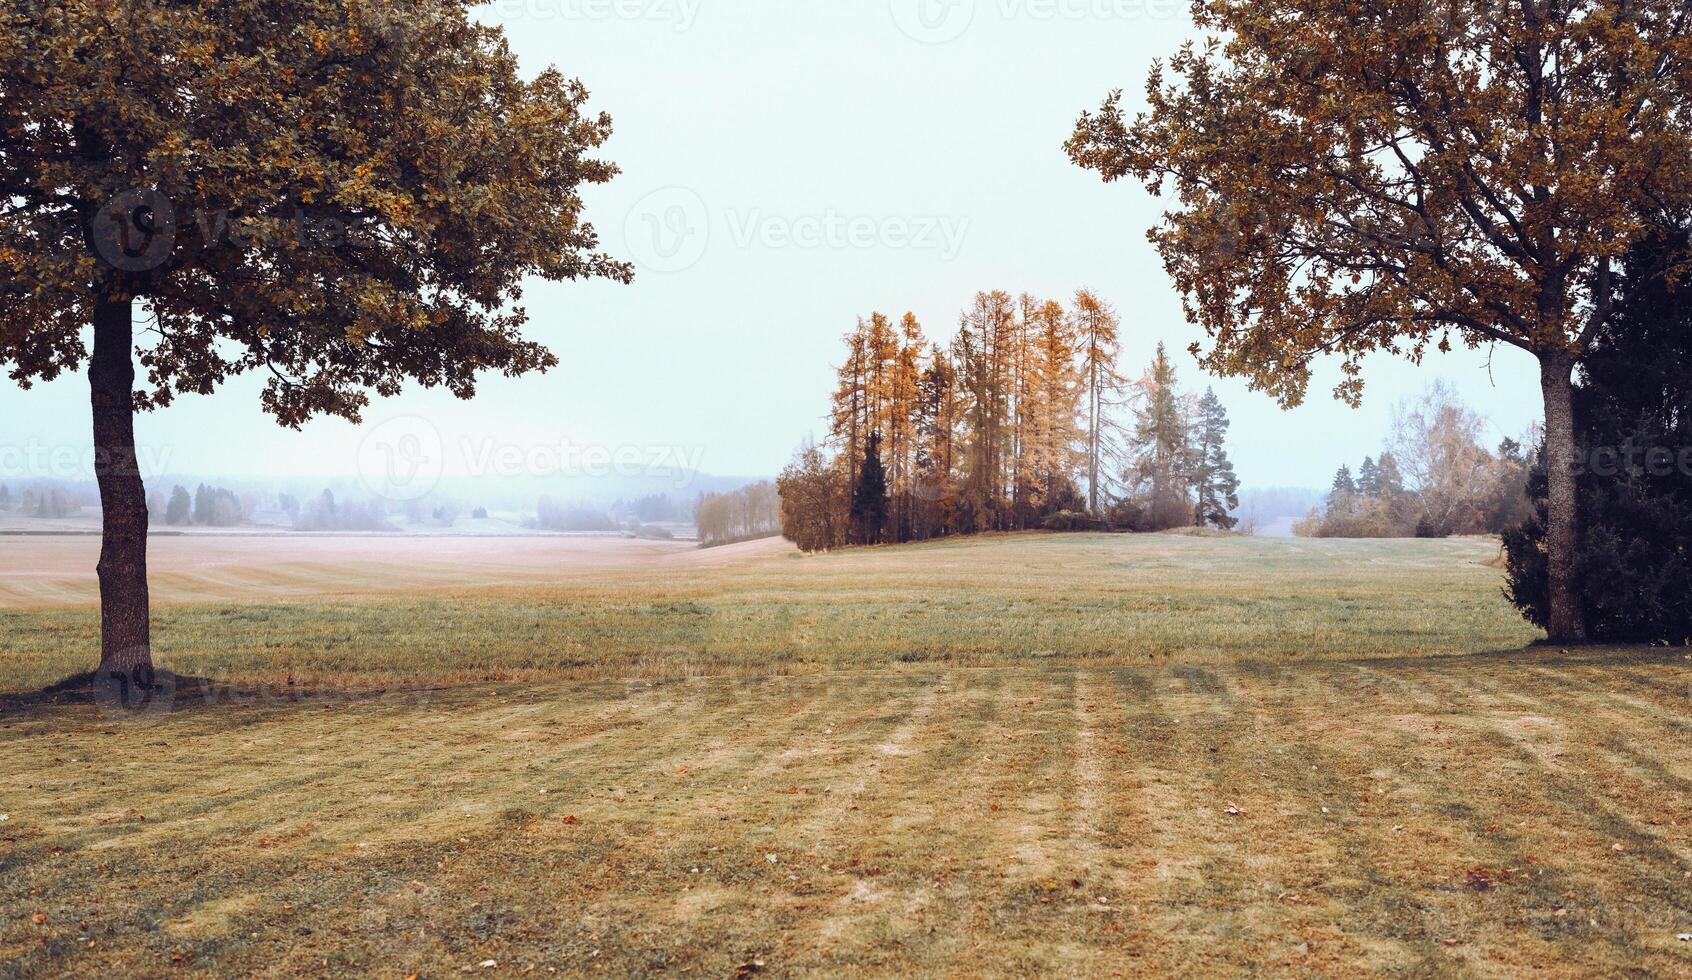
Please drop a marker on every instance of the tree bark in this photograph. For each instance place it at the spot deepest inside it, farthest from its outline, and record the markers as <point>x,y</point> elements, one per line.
<point>125,640</point>
<point>1567,619</point>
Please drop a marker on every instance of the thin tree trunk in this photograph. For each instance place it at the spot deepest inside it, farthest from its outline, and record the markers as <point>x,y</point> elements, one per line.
<point>1568,623</point>
<point>125,643</point>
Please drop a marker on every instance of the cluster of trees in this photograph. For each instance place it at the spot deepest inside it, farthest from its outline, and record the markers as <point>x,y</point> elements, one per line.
<point>750,512</point>
<point>325,513</point>
<point>46,502</point>
<point>1434,479</point>
<point>209,506</point>
<point>753,511</point>
<point>1023,420</point>
<point>553,515</point>
<point>654,507</point>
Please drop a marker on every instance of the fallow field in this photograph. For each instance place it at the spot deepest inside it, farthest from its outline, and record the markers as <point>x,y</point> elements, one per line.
<point>1032,754</point>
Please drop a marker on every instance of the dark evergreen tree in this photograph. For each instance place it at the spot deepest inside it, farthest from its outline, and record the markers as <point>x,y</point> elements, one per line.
<point>869,496</point>
<point>180,508</point>
<point>1343,490</point>
<point>1369,478</point>
<point>1215,486</point>
<point>1162,445</point>
<point>5,497</point>
<point>1633,417</point>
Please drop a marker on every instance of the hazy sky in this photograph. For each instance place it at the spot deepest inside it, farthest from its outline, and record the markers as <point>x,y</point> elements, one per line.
<point>790,165</point>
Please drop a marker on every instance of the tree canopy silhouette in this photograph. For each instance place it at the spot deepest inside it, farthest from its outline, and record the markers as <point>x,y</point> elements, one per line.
<point>340,194</point>
<point>1372,175</point>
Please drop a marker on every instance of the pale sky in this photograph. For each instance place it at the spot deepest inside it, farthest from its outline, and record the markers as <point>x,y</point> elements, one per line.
<point>788,166</point>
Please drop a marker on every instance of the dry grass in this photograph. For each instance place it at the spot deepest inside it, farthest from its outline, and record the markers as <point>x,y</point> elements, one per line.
<point>1491,816</point>
<point>1029,755</point>
<point>256,609</point>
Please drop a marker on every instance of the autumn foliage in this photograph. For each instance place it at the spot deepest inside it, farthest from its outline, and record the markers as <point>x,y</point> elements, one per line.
<point>338,195</point>
<point>1354,176</point>
<point>1021,421</point>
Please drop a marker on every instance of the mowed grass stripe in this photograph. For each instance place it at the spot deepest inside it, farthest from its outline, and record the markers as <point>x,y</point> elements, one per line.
<point>481,865</point>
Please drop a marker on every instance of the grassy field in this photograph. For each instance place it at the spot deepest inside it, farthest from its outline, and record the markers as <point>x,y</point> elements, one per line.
<point>1023,755</point>
<point>386,611</point>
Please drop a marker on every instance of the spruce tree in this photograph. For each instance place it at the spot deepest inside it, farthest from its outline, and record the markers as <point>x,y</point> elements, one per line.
<point>1214,483</point>
<point>1161,442</point>
<point>179,508</point>
<point>1633,422</point>
<point>1343,490</point>
<point>869,496</point>
<point>1369,479</point>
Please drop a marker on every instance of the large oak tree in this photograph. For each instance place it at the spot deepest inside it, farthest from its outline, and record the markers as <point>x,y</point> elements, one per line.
<point>340,194</point>
<point>1394,175</point>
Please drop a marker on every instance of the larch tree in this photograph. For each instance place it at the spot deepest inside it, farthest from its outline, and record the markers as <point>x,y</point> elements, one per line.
<point>341,194</point>
<point>901,429</point>
<point>1375,175</point>
<point>981,353</point>
<point>1096,328</point>
<point>881,350</point>
<point>848,415</point>
<point>1057,394</point>
<point>936,425</point>
<point>1024,484</point>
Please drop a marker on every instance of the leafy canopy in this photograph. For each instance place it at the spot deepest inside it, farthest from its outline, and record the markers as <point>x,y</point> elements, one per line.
<point>1361,175</point>
<point>342,193</point>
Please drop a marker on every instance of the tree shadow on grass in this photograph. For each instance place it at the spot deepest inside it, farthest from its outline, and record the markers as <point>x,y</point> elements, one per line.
<point>121,698</point>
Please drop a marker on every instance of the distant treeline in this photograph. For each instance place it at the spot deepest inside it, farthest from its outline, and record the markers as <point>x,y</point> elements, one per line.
<point>211,506</point>
<point>1435,478</point>
<point>1021,421</point>
<point>753,511</point>
<point>48,501</point>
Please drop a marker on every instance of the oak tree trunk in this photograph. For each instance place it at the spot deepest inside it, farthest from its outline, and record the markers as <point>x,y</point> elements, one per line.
<point>1567,619</point>
<point>125,641</point>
